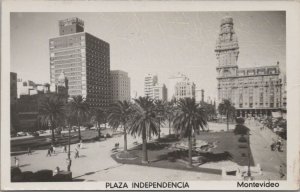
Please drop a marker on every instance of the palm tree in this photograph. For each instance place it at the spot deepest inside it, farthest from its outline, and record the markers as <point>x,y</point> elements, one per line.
<point>189,119</point>
<point>119,114</point>
<point>80,109</point>
<point>51,112</point>
<point>143,119</point>
<point>226,108</point>
<point>160,109</point>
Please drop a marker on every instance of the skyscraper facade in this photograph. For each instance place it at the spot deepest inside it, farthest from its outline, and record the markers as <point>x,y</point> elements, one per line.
<point>150,81</point>
<point>120,83</point>
<point>173,80</point>
<point>184,89</point>
<point>253,91</point>
<point>160,92</point>
<point>85,61</point>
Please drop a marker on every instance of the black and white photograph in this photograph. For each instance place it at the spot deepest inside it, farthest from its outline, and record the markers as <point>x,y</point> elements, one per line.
<point>149,99</point>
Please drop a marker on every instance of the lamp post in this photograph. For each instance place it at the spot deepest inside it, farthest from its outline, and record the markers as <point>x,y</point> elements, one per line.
<point>69,161</point>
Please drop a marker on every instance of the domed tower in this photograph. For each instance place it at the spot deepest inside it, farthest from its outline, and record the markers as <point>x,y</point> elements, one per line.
<point>227,49</point>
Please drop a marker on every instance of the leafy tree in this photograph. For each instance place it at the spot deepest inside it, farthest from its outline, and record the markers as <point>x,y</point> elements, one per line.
<point>226,108</point>
<point>98,118</point>
<point>119,115</point>
<point>51,112</point>
<point>142,120</point>
<point>209,109</point>
<point>169,112</point>
<point>80,110</point>
<point>189,119</point>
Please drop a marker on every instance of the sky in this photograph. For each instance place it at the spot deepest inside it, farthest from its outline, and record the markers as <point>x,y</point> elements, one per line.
<point>161,43</point>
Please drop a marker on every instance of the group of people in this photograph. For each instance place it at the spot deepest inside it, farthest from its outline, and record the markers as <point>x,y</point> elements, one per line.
<point>277,145</point>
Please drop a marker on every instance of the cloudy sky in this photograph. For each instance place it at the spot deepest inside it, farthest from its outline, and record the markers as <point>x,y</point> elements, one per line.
<point>161,43</point>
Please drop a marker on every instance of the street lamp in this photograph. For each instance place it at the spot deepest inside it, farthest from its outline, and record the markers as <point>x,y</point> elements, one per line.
<point>69,161</point>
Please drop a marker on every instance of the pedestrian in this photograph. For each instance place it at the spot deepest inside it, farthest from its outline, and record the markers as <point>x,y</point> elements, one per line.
<point>53,149</point>
<point>81,144</point>
<point>56,171</point>
<point>76,153</point>
<point>65,148</point>
<point>48,152</point>
<point>29,151</point>
<point>281,171</point>
<point>16,162</point>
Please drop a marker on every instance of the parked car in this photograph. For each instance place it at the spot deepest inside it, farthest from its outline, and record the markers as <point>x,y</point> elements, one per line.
<point>20,134</point>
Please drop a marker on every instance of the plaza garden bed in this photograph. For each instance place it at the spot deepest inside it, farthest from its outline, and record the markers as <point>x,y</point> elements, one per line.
<point>221,146</point>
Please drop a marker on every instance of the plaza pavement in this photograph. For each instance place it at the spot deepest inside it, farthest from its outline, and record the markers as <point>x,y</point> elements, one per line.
<point>95,162</point>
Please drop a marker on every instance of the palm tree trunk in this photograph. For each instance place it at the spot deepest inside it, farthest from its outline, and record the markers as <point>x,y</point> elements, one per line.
<point>227,116</point>
<point>53,137</point>
<point>190,151</point>
<point>79,134</point>
<point>169,126</point>
<point>99,130</point>
<point>125,139</point>
<point>145,155</point>
<point>159,130</point>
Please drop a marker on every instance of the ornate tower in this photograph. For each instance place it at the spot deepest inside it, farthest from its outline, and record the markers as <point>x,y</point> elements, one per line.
<point>227,51</point>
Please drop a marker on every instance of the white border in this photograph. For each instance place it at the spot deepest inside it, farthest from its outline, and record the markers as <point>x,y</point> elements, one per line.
<point>292,61</point>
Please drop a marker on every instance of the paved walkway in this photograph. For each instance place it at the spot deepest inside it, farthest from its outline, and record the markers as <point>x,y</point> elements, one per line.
<point>260,141</point>
<point>95,164</point>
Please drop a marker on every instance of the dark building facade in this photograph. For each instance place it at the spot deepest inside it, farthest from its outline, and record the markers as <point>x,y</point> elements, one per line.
<point>85,61</point>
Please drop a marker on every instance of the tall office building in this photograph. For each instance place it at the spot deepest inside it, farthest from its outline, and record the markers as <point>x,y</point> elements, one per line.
<point>85,61</point>
<point>173,80</point>
<point>160,92</point>
<point>13,88</point>
<point>184,89</point>
<point>120,83</point>
<point>253,91</point>
<point>150,81</point>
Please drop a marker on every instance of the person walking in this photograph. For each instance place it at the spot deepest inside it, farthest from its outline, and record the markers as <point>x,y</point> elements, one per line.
<point>65,148</point>
<point>53,149</point>
<point>48,152</point>
<point>29,151</point>
<point>76,153</point>
<point>16,162</point>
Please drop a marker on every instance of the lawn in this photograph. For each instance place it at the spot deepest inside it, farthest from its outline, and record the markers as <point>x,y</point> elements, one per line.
<point>166,153</point>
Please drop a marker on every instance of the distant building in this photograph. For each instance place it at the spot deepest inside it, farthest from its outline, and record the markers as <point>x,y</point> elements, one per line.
<point>24,87</point>
<point>120,83</point>
<point>184,89</point>
<point>253,91</point>
<point>199,95</point>
<point>85,61</point>
<point>13,88</point>
<point>160,92</point>
<point>28,105</point>
<point>173,80</point>
<point>149,83</point>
